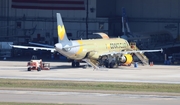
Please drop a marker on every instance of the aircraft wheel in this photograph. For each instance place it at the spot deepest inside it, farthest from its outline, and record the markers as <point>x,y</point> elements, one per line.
<point>113,64</point>
<point>38,69</point>
<point>73,64</point>
<point>77,64</point>
<point>106,64</point>
<point>29,69</point>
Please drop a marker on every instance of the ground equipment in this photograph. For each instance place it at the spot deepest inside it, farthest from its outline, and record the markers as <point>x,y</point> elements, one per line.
<point>38,65</point>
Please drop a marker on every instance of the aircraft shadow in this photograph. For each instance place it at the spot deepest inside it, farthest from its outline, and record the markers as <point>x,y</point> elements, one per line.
<point>65,67</point>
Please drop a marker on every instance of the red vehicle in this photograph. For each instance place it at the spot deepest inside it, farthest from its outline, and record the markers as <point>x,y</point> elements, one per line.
<point>37,65</point>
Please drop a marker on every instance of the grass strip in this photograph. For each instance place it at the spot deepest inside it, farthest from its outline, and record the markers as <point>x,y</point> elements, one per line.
<point>19,103</point>
<point>79,85</point>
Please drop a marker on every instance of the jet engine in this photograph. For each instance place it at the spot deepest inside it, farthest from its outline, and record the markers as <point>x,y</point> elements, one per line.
<point>126,59</point>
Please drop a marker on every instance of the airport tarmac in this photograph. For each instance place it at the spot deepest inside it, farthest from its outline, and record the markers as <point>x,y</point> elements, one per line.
<point>80,98</point>
<point>64,71</point>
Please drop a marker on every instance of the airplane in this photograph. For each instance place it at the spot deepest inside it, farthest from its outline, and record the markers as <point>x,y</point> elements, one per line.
<point>127,34</point>
<point>153,38</point>
<point>106,52</point>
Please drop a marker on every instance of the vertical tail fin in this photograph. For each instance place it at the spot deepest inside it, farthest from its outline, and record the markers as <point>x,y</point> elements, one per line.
<point>62,36</point>
<point>125,22</point>
<point>127,26</point>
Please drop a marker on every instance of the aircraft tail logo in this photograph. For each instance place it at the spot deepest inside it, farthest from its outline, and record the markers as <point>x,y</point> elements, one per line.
<point>62,36</point>
<point>61,32</point>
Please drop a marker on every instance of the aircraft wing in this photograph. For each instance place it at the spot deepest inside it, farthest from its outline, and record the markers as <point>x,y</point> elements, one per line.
<point>132,51</point>
<point>45,47</point>
<point>34,48</point>
<point>143,51</point>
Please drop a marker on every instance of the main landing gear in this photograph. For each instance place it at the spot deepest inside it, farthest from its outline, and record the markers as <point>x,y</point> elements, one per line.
<point>75,63</point>
<point>108,61</point>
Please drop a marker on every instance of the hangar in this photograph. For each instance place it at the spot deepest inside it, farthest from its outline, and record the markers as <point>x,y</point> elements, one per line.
<point>22,21</point>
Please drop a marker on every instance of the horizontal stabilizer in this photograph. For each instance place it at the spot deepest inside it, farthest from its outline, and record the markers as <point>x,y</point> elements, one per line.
<point>39,44</point>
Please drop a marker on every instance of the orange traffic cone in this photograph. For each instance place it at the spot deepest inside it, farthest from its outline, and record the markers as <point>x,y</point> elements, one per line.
<point>151,64</point>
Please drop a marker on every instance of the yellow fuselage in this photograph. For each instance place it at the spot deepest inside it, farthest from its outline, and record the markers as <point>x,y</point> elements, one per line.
<point>94,48</point>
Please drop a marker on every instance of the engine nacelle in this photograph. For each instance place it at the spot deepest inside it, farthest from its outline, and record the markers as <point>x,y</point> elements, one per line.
<point>126,59</point>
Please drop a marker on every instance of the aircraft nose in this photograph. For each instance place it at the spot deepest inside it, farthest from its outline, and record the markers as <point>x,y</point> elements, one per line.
<point>58,46</point>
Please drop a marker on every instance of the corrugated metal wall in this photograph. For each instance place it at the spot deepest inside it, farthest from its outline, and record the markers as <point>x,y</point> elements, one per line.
<point>156,15</point>
<point>144,15</point>
<point>147,10</point>
<point>150,8</point>
<point>4,13</point>
<point>24,21</point>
